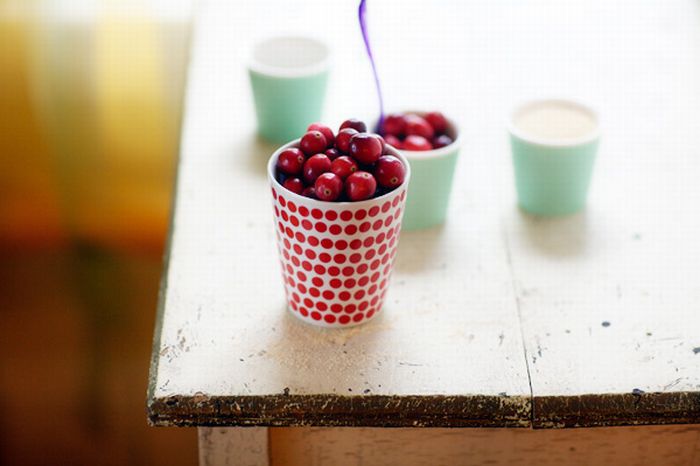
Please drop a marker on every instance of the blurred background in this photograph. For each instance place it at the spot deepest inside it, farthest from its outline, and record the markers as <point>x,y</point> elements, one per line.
<point>91,96</point>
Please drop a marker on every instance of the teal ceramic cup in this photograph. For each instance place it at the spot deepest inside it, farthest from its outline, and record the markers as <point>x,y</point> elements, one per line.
<point>430,186</point>
<point>554,144</point>
<point>288,76</point>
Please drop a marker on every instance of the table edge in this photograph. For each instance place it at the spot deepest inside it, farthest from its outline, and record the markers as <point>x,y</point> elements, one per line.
<point>332,410</point>
<point>342,410</point>
<point>163,286</point>
<point>616,409</point>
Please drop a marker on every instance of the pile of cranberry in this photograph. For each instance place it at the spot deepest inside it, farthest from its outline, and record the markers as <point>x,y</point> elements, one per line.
<point>408,131</point>
<point>349,166</point>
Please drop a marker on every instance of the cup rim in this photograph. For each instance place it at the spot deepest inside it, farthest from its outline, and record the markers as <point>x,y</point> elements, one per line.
<point>318,67</point>
<point>571,142</point>
<point>356,204</point>
<point>435,153</point>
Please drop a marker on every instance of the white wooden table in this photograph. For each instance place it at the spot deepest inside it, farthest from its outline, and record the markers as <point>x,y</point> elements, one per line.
<point>494,320</point>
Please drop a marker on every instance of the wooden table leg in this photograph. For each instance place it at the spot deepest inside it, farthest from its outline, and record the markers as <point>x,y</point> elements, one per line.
<point>233,446</point>
<point>313,446</point>
<point>673,445</point>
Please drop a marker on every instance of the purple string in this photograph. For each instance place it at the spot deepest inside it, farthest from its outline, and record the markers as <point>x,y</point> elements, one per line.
<point>362,14</point>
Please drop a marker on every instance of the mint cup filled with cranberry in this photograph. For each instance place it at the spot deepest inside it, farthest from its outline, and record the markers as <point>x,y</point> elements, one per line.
<point>430,142</point>
<point>338,198</point>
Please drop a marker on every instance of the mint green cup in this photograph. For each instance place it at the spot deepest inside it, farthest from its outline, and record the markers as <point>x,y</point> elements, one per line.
<point>288,76</point>
<point>430,186</point>
<point>553,173</point>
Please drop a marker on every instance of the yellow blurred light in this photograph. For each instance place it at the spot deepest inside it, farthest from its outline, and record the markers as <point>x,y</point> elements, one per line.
<point>97,91</point>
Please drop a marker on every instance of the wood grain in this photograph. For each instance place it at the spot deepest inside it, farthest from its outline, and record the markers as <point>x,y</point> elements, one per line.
<point>622,446</point>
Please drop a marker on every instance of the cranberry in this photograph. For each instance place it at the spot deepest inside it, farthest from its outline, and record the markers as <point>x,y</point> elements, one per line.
<point>438,121</point>
<point>342,140</point>
<point>344,166</point>
<point>290,161</point>
<point>389,171</point>
<point>355,124</point>
<point>360,186</point>
<point>393,141</point>
<point>332,153</point>
<point>383,141</point>
<point>309,191</point>
<point>442,141</point>
<point>418,126</point>
<point>394,125</point>
<point>366,148</point>
<point>328,187</point>
<point>313,142</point>
<point>315,166</point>
<point>295,185</point>
<point>414,142</point>
<point>325,130</point>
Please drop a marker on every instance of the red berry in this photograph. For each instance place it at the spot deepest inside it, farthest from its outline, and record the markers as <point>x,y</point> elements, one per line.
<point>366,148</point>
<point>394,125</point>
<point>313,142</point>
<point>328,187</point>
<point>383,141</point>
<point>437,120</point>
<point>325,130</point>
<point>355,124</point>
<point>414,142</point>
<point>295,185</point>
<point>309,191</point>
<point>418,126</point>
<point>342,140</point>
<point>315,166</point>
<point>360,186</point>
<point>389,171</point>
<point>343,166</point>
<point>393,141</point>
<point>290,161</point>
<point>332,153</point>
<point>442,141</point>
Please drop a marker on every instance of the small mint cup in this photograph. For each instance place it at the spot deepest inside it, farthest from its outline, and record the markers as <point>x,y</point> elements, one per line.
<point>288,76</point>
<point>432,173</point>
<point>554,144</point>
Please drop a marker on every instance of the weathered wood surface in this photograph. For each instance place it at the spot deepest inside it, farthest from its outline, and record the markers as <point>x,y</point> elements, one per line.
<point>610,299</point>
<point>619,446</point>
<point>495,319</point>
<point>447,351</point>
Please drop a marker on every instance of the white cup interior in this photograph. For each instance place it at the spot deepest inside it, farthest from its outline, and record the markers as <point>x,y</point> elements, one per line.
<point>554,122</point>
<point>290,56</point>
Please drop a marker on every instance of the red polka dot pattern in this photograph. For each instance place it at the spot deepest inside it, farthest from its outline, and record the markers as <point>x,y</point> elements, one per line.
<point>336,262</point>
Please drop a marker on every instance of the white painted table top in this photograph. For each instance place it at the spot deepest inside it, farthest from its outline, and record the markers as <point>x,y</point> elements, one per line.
<point>496,318</point>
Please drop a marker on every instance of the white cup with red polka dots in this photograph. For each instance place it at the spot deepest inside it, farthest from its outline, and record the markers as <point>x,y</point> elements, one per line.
<point>336,257</point>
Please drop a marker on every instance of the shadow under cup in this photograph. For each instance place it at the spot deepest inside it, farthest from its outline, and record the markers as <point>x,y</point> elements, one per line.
<point>288,76</point>
<point>553,174</point>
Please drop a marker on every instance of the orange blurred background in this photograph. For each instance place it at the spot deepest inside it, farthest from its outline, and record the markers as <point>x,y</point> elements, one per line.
<point>91,102</point>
